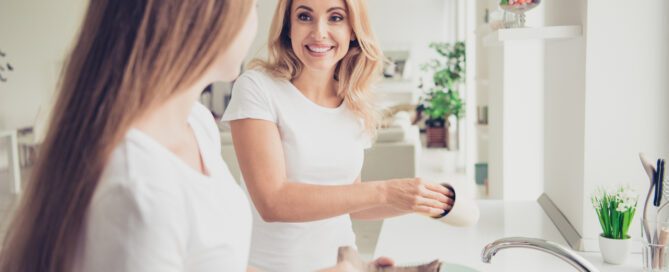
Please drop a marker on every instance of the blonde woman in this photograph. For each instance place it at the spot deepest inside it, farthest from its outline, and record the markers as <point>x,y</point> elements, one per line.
<point>300,123</point>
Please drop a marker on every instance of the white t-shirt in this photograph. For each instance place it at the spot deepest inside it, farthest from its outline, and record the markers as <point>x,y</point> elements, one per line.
<point>322,146</point>
<point>153,212</point>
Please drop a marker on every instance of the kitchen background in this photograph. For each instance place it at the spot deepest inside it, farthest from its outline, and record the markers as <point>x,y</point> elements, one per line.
<point>571,102</point>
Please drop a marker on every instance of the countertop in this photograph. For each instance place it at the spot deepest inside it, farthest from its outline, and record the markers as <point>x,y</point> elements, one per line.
<point>415,238</point>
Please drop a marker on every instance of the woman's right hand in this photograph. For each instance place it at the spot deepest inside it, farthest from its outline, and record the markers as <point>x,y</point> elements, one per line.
<point>415,195</point>
<point>348,260</point>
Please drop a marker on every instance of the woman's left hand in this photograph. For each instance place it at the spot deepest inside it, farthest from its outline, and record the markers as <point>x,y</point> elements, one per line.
<point>350,261</point>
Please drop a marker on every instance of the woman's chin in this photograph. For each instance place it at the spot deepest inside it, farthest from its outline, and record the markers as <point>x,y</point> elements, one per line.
<point>324,66</point>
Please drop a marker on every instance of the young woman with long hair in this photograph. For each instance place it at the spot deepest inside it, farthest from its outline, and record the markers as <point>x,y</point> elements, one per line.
<point>129,177</point>
<point>300,123</point>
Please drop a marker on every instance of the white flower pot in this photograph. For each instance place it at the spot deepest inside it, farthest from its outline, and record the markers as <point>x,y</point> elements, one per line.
<point>614,251</point>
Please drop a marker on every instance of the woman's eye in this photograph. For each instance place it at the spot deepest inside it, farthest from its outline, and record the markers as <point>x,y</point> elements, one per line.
<point>336,18</point>
<point>303,17</point>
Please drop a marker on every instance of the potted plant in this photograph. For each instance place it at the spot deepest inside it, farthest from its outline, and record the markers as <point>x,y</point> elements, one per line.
<point>615,211</point>
<point>442,99</point>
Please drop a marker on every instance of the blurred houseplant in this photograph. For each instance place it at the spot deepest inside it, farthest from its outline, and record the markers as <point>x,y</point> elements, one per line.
<point>442,99</point>
<point>615,211</point>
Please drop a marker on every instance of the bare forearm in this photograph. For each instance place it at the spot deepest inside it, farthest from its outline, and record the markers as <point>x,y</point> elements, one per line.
<point>299,202</point>
<point>377,213</point>
<point>261,159</point>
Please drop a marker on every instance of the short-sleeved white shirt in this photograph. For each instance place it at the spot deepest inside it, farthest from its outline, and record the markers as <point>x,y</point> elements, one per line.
<point>323,146</point>
<point>153,212</point>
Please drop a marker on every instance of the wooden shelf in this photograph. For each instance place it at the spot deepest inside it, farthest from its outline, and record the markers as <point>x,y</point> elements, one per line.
<point>532,33</point>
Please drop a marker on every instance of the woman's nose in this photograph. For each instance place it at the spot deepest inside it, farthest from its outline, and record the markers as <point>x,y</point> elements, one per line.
<point>320,30</point>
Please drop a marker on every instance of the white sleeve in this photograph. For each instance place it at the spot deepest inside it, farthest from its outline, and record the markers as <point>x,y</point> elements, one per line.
<point>249,100</point>
<point>367,138</point>
<point>367,141</point>
<point>130,231</point>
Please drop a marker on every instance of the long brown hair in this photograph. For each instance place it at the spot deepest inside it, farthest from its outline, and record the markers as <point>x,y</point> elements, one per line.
<point>129,56</point>
<point>355,73</point>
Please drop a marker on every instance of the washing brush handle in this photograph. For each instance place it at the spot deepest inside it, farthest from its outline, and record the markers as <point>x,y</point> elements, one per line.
<point>650,171</point>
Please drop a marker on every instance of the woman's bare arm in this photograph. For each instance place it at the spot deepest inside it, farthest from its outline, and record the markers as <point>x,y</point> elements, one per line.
<point>261,160</point>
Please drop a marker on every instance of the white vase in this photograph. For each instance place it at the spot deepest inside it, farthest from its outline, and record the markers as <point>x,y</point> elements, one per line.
<point>614,251</point>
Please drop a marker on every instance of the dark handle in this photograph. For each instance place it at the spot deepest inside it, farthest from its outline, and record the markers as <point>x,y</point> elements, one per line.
<point>657,184</point>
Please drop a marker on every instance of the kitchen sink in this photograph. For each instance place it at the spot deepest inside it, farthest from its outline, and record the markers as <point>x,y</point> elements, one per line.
<point>445,267</point>
<point>451,267</point>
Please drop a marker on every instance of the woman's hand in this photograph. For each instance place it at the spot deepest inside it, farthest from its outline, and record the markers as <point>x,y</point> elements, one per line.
<point>348,260</point>
<point>415,195</point>
<point>347,266</point>
<point>382,262</point>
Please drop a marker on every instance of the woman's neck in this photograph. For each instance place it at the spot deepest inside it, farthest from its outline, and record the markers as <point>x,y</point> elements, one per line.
<point>319,87</point>
<point>167,123</point>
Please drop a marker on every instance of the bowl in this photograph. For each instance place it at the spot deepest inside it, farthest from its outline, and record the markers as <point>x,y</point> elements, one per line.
<point>519,10</point>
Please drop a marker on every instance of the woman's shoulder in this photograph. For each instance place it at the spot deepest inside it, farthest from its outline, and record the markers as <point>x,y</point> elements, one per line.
<point>256,73</point>
<point>261,77</point>
<point>259,85</point>
<point>138,161</point>
<point>132,179</point>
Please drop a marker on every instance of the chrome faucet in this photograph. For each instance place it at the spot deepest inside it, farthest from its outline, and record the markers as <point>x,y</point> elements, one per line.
<point>562,252</point>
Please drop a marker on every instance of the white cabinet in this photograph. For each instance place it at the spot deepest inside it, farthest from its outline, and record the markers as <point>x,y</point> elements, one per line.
<point>516,78</point>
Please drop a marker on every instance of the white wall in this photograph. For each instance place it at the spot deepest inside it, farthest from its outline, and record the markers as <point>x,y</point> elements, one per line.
<point>564,112</point>
<point>473,18</point>
<point>516,125</point>
<point>523,123</point>
<point>413,25</point>
<point>606,101</point>
<point>36,36</point>
<point>265,13</point>
<point>495,63</point>
<point>627,95</point>
<point>564,124</point>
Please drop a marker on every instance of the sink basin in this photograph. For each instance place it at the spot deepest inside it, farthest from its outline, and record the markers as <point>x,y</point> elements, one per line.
<point>451,267</point>
<point>446,267</point>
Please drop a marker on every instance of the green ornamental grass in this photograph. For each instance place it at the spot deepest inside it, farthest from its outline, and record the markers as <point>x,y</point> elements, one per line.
<point>615,211</point>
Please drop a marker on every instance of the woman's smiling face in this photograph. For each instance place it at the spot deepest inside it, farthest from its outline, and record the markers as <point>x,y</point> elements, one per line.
<point>320,32</point>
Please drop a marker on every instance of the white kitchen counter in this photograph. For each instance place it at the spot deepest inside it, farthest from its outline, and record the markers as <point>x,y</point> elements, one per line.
<point>416,239</point>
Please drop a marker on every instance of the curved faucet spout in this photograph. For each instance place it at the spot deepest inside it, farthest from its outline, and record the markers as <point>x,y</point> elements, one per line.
<point>562,252</point>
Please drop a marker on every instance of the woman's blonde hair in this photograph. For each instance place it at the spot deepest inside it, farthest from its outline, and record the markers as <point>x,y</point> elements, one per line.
<point>129,56</point>
<point>355,73</point>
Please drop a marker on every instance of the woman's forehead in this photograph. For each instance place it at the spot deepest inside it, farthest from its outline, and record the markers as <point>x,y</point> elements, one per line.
<point>319,5</point>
